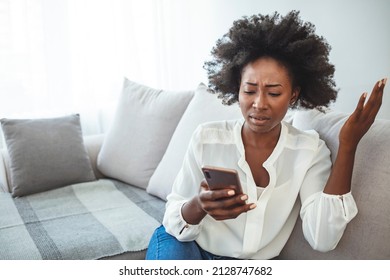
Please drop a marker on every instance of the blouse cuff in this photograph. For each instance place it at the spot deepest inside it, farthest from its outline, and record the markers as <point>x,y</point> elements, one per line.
<point>187,232</point>
<point>345,202</point>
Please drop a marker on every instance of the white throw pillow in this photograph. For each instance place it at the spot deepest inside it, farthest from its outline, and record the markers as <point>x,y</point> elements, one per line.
<point>204,107</point>
<point>327,125</point>
<point>140,132</point>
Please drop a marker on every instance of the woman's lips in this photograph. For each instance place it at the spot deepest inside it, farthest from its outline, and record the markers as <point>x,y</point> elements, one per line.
<point>259,120</point>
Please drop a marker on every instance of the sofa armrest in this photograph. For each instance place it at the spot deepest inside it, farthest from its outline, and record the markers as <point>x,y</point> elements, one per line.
<point>93,144</point>
<point>4,185</point>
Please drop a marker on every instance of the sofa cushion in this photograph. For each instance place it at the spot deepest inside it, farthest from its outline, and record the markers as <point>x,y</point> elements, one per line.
<point>366,235</point>
<point>204,107</point>
<point>142,127</point>
<point>45,154</point>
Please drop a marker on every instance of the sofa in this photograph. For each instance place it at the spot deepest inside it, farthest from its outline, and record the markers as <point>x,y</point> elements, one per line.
<point>64,195</point>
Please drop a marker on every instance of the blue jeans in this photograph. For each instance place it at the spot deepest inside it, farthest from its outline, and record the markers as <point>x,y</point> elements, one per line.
<point>163,246</point>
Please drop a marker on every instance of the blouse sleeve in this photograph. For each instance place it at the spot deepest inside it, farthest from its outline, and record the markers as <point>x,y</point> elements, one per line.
<point>324,217</point>
<point>185,187</point>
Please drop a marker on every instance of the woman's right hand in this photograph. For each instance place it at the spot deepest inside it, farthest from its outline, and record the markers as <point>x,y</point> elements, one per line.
<point>222,204</point>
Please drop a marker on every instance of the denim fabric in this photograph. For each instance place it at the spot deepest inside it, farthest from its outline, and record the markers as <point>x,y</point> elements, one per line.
<point>164,246</point>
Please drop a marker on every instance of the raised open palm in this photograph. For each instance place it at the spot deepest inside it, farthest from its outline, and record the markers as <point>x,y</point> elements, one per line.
<point>363,117</point>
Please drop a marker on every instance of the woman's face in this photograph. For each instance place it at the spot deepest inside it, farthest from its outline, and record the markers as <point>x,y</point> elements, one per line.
<point>265,94</point>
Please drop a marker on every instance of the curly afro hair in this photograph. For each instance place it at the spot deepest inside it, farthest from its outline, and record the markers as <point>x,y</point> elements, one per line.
<point>287,39</point>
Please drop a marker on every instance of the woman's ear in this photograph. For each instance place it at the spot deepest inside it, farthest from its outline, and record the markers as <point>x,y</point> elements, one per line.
<point>295,95</point>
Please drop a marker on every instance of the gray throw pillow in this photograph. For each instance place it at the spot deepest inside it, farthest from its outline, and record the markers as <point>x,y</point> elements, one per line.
<point>45,154</point>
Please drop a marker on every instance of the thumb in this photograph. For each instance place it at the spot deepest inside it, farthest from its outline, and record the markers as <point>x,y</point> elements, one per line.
<point>204,186</point>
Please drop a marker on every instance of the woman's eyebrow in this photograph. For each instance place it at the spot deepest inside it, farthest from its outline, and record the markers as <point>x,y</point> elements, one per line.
<point>251,84</point>
<point>267,85</point>
<point>273,85</point>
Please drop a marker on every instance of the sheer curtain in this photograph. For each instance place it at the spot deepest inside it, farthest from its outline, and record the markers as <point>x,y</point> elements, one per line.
<point>70,56</point>
<point>63,56</point>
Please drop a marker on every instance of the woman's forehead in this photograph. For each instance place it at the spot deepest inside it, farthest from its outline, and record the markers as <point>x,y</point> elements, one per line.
<point>265,71</point>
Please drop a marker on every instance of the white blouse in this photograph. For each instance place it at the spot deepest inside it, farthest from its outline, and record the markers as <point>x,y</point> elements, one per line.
<point>299,166</point>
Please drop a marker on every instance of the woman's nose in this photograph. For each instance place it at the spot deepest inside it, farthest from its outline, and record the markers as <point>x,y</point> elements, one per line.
<point>260,102</point>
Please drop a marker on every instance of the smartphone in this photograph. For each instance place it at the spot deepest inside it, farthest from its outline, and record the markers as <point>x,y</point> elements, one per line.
<point>220,178</point>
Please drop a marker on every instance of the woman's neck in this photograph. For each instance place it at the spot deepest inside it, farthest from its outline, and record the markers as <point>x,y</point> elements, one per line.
<point>261,140</point>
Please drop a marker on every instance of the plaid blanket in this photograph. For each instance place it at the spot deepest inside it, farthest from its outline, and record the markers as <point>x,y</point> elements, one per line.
<point>83,221</point>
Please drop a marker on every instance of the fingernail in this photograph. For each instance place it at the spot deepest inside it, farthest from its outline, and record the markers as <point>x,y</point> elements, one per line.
<point>380,83</point>
<point>253,206</point>
<point>231,192</point>
<point>244,197</point>
<point>365,95</point>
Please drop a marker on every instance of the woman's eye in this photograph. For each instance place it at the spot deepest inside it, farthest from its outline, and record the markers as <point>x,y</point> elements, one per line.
<point>274,94</point>
<point>249,92</point>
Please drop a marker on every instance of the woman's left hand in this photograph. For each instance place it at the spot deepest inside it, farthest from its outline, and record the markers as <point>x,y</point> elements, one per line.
<point>362,118</point>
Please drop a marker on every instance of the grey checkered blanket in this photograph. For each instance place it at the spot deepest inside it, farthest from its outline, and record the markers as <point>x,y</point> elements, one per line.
<point>83,221</point>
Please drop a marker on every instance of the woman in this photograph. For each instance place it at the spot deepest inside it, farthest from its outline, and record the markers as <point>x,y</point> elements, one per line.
<point>268,64</point>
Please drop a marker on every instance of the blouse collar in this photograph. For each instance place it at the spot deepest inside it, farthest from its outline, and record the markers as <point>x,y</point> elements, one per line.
<point>277,150</point>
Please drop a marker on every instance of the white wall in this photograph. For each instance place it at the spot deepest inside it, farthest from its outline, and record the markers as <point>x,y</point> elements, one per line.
<point>357,30</point>
<point>57,56</point>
